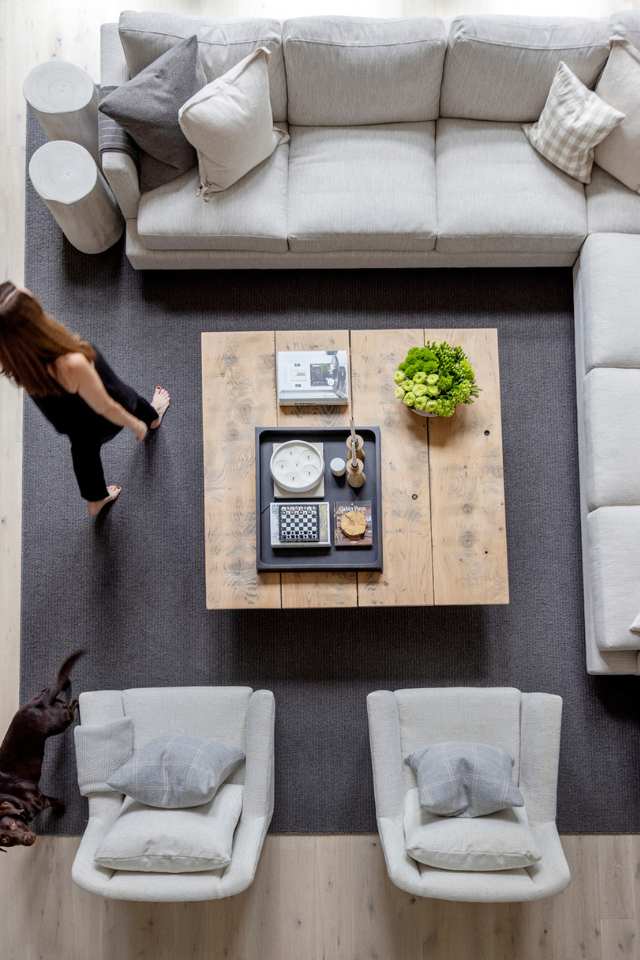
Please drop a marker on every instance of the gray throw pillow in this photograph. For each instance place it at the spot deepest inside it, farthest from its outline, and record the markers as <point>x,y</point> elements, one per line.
<point>457,779</point>
<point>147,108</point>
<point>176,772</point>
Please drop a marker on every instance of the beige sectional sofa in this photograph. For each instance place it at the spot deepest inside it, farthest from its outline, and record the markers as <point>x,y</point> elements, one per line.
<point>406,146</point>
<point>406,149</point>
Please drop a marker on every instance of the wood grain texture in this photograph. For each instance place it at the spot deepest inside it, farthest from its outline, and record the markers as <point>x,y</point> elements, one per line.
<point>468,524</point>
<point>238,394</point>
<point>315,588</point>
<point>406,579</point>
<point>323,898</point>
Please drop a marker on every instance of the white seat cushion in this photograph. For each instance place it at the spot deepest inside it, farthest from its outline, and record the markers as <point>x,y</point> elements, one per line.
<point>496,194</point>
<point>611,207</point>
<point>608,296</point>
<point>250,215</point>
<point>501,841</point>
<point>362,188</point>
<point>611,437</point>
<point>612,563</point>
<point>483,715</point>
<point>151,840</point>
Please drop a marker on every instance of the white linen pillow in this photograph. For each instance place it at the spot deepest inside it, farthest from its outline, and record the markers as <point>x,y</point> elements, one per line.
<point>500,841</point>
<point>230,123</point>
<point>619,86</point>
<point>152,840</point>
<point>573,122</point>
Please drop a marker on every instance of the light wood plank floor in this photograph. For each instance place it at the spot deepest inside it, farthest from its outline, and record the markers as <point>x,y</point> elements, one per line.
<point>315,898</point>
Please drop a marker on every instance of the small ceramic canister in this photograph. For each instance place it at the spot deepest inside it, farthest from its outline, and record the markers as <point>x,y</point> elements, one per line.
<point>338,467</point>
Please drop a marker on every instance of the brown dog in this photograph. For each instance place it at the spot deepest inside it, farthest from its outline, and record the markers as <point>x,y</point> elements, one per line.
<point>22,753</point>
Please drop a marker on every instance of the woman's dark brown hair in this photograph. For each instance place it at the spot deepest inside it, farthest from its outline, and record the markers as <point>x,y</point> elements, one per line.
<point>31,340</point>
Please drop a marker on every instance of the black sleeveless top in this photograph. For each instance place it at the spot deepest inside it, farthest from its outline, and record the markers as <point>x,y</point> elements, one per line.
<point>71,415</point>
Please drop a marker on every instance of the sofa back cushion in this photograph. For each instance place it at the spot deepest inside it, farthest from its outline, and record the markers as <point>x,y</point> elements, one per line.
<point>482,714</point>
<point>626,24</point>
<point>221,44</point>
<point>345,71</point>
<point>501,67</point>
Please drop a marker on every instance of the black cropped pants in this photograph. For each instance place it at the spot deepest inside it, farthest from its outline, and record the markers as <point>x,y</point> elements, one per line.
<point>85,453</point>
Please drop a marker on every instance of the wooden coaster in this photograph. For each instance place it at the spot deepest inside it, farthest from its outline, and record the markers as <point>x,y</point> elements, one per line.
<point>353,524</point>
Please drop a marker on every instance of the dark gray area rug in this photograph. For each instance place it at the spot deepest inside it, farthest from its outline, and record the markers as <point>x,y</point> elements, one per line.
<point>131,588</point>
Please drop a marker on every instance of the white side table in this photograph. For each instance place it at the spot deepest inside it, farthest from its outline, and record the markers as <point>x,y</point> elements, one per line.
<point>66,177</point>
<point>65,100</point>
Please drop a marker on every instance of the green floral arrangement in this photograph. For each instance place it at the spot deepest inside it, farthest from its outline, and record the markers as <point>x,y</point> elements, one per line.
<point>435,379</point>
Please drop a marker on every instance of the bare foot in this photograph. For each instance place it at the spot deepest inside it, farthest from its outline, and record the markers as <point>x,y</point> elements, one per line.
<point>95,506</point>
<point>160,403</point>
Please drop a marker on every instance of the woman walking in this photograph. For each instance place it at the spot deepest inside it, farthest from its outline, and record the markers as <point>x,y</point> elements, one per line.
<point>74,387</point>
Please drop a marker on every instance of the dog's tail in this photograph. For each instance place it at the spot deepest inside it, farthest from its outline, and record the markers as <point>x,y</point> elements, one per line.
<point>63,679</point>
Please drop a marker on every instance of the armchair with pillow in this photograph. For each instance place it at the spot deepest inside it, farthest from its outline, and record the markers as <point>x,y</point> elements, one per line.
<point>173,849</point>
<point>524,726</point>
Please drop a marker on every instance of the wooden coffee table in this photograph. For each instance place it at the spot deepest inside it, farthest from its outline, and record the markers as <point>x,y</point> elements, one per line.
<point>442,480</point>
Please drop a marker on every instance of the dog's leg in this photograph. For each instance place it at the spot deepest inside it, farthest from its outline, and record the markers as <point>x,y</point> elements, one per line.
<point>58,806</point>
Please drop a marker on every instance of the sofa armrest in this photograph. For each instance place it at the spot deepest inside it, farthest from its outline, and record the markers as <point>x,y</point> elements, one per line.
<point>386,753</point>
<point>403,871</point>
<point>103,811</point>
<point>113,65</point>
<point>540,722</point>
<point>121,173</point>
<point>118,152</point>
<point>551,874</point>
<point>259,750</point>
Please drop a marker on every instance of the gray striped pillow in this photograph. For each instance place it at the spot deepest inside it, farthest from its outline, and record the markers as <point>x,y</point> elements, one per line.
<point>175,772</point>
<point>457,779</point>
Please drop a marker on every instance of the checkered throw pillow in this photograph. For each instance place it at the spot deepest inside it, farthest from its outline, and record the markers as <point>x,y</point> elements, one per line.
<point>574,121</point>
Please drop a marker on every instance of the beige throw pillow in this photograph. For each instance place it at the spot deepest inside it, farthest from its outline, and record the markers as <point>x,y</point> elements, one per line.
<point>574,120</point>
<point>230,123</point>
<point>619,85</point>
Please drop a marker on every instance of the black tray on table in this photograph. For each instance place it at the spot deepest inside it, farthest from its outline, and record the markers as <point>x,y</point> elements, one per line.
<point>335,491</point>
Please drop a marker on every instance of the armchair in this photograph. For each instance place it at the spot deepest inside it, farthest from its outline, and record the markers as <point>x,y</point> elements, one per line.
<point>236,715</point>
<point>527,725</point>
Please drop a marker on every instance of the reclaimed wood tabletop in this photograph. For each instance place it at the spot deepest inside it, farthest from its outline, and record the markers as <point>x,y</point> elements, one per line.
<point>443,502</point>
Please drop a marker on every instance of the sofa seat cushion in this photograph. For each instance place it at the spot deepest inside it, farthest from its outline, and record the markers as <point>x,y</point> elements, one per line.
<point>608,294</point>
<point>612,561</point>
<point>249,215</point>
<point>353,70</point>
<point>151,840</point>
<point>501,67</point>
<point>502,841</point>
<point>611,437</point>
<point>362,188</point>
<point>496,194</point>
<point>611,207</point>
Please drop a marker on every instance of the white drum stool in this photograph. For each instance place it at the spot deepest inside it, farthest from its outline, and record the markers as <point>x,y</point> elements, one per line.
<point>66,177</point>
<point>65,100</point>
